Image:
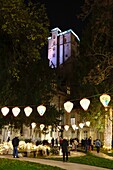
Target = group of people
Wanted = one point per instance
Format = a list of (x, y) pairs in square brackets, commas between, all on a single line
[(88, 144), (63, 145)]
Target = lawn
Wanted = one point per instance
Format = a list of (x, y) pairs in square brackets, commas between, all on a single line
[(6, 164), (90, 159)]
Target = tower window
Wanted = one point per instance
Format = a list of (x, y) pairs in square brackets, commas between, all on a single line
[(54, 37), (53, 55), (64, 40)]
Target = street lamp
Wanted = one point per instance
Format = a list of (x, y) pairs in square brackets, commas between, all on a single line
[(68, 106), (41, 110)]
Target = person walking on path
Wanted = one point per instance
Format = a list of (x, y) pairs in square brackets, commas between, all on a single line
[(15, 143), (65, 149), (98, 145), (89, 143), (86, 144)]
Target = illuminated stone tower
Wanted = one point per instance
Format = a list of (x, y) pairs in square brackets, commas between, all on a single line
[(61, 46)]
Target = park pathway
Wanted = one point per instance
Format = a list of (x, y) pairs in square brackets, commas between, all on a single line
[(61, 164)]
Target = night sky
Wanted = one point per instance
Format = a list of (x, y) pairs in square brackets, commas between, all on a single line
[(63, 14)]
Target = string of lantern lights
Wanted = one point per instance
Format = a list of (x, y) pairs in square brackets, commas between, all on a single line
[(104, 99), (68, 106), (28, 110)]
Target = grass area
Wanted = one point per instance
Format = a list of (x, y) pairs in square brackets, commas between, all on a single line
[(90, 159), (6, 164), (110, 153)]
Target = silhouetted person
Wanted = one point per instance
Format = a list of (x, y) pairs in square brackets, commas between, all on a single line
[(15, 143), (89, 143), (98, 145), (52, 142), (56, 141), (65, 149), (86, 144)]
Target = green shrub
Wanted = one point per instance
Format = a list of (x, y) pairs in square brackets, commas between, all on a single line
[(54, 151)]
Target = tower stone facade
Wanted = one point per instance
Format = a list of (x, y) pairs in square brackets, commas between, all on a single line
[(61, 46)]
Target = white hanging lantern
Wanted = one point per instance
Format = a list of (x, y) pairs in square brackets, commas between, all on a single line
[(33, 124), (41, 110), (88, 123), (68, 106), (85, 103), (58, 128), (16, 111), (42, 126), (28, 111), (105, 99), (74, 127), (81, 125), (66, 127), (5, 110)]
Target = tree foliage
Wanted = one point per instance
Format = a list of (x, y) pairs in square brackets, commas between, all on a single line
[(25, 76), (24, 32), (97, 41), (96, 55)]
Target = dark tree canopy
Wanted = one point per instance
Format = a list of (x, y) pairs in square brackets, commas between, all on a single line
[(96, 42), (95, 62), (23, 34), (25, 76)]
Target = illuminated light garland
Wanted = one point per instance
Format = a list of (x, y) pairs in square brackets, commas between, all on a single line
[(28, 110)]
